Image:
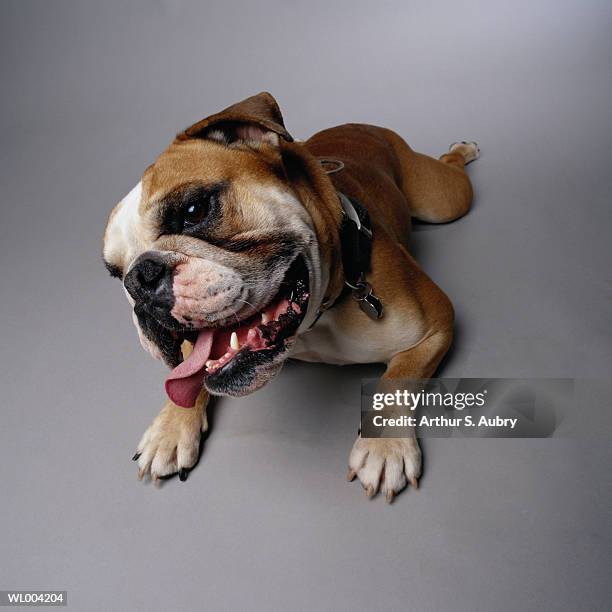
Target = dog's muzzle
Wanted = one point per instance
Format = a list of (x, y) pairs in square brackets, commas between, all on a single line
[(231, 355)]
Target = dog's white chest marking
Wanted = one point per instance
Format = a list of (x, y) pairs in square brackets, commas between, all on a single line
[(344, 335)]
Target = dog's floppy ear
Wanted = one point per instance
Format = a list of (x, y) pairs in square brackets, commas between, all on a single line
[(254, 120)]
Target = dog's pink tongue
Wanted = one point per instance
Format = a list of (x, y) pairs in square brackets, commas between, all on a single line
[(185, 381)]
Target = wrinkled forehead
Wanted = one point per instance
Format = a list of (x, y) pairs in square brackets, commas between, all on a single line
[(254, 179), (203, 161)]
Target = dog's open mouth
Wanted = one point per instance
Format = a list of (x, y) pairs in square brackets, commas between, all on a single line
[(228, 352)]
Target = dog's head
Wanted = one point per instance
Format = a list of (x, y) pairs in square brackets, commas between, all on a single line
[(221, 244)]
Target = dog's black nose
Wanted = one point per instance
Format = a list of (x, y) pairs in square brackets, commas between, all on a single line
[(149, 272), (146, 278)]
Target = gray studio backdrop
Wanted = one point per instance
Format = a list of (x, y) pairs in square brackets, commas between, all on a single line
[(91, 92)]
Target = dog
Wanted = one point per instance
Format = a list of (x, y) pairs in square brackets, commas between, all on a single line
[(241, 247)]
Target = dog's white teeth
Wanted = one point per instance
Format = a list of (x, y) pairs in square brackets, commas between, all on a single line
[(265, 317), (209, 364), (234, 341)]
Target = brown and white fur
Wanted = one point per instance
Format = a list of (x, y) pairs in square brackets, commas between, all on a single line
[(276, 191)]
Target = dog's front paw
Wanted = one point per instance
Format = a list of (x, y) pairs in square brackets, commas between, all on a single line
[(172, 443), (385, 463)]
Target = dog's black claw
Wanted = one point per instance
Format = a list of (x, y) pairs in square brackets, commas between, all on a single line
[(183, 473), (136, 456)]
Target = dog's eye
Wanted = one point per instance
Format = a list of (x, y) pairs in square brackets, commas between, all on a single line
[(196, 210)]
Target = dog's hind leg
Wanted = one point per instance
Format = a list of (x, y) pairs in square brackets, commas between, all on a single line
[(437, 190)]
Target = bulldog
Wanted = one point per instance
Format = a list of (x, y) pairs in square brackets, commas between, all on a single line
[(241, 247)]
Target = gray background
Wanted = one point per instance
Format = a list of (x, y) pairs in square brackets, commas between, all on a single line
[(91, 92)]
